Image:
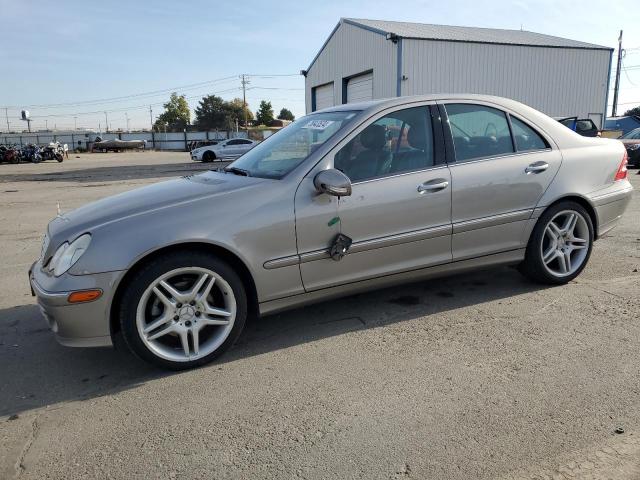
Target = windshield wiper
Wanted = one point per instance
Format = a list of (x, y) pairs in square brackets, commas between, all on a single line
[(237, 171)]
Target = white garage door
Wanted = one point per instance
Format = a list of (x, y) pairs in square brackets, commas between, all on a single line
[(324, 96), (360, 88)]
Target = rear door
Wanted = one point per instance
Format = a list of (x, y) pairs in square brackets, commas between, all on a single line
[(501, 167), (399, 212)]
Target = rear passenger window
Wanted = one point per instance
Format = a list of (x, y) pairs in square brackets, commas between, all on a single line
[(401, 141), (478, 131), (526, 138)]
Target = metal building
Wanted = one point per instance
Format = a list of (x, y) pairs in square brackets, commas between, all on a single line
[(369, 59)]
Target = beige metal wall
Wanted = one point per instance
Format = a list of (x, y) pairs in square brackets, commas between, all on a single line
[(556, 81), (352, 50)]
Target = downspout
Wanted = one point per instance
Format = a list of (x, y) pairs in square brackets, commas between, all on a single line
[(399, 67)]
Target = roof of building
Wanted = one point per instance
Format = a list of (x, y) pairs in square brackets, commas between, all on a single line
[(469, 34)]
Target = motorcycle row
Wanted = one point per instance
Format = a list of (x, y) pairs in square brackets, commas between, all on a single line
[(32, 153)]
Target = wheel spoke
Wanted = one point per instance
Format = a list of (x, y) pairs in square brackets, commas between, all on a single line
[(197, 286), (215, 321), (218, 312), (160, 333), (168, 302), (207, 289), (195, 335), (554, 229), (565, 262), (157, 323), (570, 223), (184, 340), (549, 255), (177, 295)]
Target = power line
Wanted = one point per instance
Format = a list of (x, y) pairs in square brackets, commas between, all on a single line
[(146, 94)]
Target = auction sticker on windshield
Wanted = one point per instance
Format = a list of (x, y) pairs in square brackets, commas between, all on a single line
[(318, 124)]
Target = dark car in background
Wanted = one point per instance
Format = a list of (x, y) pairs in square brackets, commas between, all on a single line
[(582, 126), (631, 142)]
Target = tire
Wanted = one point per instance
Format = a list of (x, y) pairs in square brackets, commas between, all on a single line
[(183, 271), (208, 156), (59, 158), (553, 244)]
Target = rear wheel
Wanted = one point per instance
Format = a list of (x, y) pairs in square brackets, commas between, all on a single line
[(560, 245), (208, 156), (183, 310)]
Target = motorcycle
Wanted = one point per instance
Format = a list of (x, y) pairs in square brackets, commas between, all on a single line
[(32, 153), (53, 151), (9, 154)]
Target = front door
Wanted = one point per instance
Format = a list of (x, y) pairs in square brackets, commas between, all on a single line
[(399, 212), (502, 168)]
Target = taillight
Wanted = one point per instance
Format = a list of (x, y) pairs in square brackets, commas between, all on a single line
[(621, 174)]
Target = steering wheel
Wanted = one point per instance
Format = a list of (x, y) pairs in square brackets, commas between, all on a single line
[(491, 126)]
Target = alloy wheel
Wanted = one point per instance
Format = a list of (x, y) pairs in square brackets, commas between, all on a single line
[(565, 243), (186, 314)]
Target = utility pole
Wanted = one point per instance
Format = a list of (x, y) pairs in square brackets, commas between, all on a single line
[(46, 125), (151, 117), (106, 121), (6, 115), (126, 115), (244, 82), (75, 123), (614, 109)]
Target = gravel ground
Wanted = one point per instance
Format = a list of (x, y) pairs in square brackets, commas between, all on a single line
[(471, 377)]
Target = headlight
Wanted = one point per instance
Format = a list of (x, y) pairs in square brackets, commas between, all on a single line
[(633, 146), (68, 254)]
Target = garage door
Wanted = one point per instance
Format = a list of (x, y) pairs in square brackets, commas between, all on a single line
[(324, 96), (360, 88)]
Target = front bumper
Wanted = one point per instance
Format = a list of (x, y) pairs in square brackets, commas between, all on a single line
[(196, 157), (78, 324)]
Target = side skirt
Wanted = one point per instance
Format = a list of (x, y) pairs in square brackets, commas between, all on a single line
[(503, 258)]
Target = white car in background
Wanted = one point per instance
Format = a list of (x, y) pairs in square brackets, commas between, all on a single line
[(226, 149)]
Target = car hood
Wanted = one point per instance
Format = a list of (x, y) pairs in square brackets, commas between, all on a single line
[(151, 198)]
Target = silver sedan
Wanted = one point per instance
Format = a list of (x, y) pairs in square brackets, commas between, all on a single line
[(346, 199)]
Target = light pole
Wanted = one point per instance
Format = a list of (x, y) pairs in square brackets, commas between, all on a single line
[(75, 123), (106, 121)]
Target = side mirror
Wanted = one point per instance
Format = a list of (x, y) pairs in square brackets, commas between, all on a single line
[(333, 182)]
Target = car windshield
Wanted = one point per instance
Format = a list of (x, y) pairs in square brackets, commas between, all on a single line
[(285, 150)]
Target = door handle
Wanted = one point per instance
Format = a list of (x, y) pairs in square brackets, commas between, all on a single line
[(432, 186), (536, 167)]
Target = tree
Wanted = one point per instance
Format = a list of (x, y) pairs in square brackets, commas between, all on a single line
[(634, 111), (264, 116), (214, 112), (211, 113), (176, 115), (285, 114), (236, 109)]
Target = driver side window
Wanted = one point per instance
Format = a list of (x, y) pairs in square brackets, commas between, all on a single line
[(401, 141), (478, 131)]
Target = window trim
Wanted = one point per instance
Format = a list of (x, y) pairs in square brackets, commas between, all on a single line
[(450, 146), (437, 138)]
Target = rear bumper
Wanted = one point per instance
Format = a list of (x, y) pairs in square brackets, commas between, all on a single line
[(80, 324), (611, 205)]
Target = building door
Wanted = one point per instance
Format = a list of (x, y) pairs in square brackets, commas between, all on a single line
[(323, 96), (360, 88)]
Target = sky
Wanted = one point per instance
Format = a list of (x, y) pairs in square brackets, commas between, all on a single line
[(66, 58)]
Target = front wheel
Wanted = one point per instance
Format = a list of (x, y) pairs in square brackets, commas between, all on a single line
[(560, 245), (208, 156), (183, 310)]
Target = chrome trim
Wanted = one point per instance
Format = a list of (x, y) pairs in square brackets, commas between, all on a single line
[(440, 166), (494, 157), (362, 246), (282, 262), (492, 221)]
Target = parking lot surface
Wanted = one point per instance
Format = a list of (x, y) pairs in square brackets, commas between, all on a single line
[(470, 377)]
